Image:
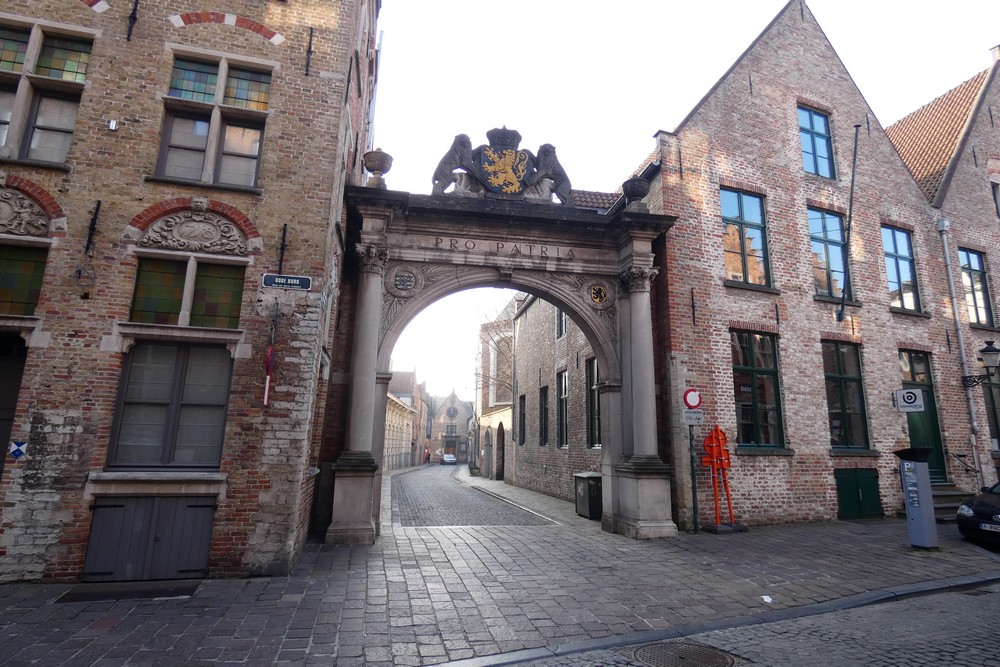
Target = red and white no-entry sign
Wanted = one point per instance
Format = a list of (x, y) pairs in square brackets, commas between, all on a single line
[(692, 399)]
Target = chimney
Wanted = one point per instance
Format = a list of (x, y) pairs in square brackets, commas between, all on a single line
[(996, 53)]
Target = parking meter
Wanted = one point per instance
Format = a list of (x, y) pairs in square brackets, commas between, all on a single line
[(914, 475)]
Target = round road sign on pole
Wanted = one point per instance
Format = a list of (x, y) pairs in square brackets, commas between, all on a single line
[(692, 399)]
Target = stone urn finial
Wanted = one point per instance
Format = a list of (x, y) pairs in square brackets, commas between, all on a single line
[(635, 189), (378, 163)]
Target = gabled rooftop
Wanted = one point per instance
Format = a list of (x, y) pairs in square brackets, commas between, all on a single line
[(930, 138)]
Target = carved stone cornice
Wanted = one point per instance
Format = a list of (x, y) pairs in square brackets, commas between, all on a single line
[(637, 278), (197, 230), (373, 259), (20, 215)]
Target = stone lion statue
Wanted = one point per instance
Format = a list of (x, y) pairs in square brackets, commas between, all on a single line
[(459, 156), (547, 167)]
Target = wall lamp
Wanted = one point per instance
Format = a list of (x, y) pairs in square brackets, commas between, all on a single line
[(991, 360)]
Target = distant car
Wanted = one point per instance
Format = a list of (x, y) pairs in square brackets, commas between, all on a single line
[(979, 516), (449, 460)]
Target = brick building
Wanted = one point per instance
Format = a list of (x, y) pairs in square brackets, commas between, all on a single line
[(796, 309), (153, 170), (797, 329), (557, 423), (400, 449), (494, 392), (450, 423)]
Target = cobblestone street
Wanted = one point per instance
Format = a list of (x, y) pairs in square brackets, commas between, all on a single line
[(531, 580)]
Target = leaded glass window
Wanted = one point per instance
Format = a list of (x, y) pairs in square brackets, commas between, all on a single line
[(21, 271)]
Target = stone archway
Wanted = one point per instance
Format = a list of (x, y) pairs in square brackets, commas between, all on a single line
[(596, 266)]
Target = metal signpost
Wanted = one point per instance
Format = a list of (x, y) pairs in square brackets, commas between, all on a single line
[(693, 417)]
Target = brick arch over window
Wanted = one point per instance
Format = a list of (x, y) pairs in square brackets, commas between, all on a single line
[(138, 225), (99, 6), (191, 18), (50, 207)]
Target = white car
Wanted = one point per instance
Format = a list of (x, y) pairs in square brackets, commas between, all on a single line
[(449, 460)]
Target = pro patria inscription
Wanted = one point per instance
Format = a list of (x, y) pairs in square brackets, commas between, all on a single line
[(504, 248)]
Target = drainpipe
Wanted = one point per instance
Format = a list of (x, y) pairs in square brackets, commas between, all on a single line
[(942, 226)]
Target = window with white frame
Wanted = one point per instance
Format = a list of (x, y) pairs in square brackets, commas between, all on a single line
[(213, 126), (42, 77)]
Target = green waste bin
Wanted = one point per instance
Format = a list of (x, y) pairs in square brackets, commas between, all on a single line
[(588, 494)]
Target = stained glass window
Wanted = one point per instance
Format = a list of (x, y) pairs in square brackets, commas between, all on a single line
[(250, 90), (13, 47), (63, 58), (218, 291), (159, 291), (193, 80), (21, 272)]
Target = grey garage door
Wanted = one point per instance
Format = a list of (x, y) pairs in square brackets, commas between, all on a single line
[(136, 538)]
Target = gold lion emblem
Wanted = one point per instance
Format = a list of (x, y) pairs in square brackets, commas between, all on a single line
[(599, 293)]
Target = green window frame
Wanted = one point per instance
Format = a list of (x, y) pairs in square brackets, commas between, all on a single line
[(543, 416), (816, 142), (522, 416), (171, 407), (161, 287), (744, 237), (22, 269), (593, 375), (900, 268), (756, 389), (827, 239), (845, 397), (976, 286), (562, 409)]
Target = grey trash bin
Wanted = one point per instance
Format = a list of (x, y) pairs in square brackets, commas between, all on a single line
[(588, 494)]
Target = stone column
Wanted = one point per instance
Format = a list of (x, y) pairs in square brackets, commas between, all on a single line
[(353, 495), (644, 507), (643, 414)]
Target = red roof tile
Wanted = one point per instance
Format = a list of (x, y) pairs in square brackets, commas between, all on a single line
[(928, 138)]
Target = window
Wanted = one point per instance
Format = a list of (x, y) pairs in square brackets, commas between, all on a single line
[(208, 141), (755, 387), (826, 234), (522, 415), (593, 404), (164, 294), (451, 429), (817, 149), (845, 400), (21, 272), (172, 408), (977, 291), (744, 237), (543, 416), (900, 269), (996, 197), (560, 323), (562, 409), (42, 77)]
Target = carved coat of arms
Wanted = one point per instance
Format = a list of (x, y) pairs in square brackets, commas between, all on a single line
[(502, 167)]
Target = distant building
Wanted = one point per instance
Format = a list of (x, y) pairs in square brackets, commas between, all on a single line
[(400, 448), (494, 392), (450, 427), (556, 412)]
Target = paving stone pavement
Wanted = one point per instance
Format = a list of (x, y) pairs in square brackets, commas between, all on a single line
[(432, 594)]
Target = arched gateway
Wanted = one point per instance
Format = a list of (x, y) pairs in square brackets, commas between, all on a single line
[(595, 265)]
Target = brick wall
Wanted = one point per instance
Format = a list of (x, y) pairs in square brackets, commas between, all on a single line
[(67, 401), (538, 356)]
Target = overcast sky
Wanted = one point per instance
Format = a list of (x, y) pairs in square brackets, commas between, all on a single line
[(598, 79)]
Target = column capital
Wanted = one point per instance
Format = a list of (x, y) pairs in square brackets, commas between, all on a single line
[(637, 278), (373, 258)]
